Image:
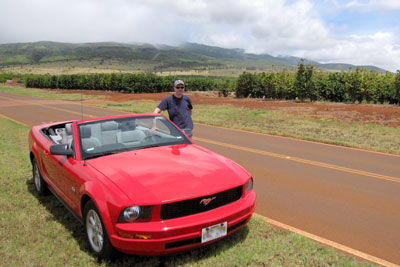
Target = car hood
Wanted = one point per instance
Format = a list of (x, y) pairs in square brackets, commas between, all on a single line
[(170, 173)]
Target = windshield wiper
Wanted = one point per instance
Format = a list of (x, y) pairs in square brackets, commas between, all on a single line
[(106, 153), (164, 144), (150, 145)]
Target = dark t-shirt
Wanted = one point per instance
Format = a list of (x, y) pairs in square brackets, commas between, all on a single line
[(178, 110)]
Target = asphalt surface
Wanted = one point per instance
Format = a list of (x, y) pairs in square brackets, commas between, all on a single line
[(348, 196)]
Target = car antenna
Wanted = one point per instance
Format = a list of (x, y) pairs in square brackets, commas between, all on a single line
[(81, 105), (84, 161)]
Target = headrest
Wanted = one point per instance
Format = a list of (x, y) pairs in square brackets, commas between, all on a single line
[(109, 126), (128, 125), (68, 128), (86, 131)]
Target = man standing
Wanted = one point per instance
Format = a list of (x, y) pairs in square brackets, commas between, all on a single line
[(179, 107)]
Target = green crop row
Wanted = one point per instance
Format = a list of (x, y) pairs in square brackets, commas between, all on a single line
[(359, 86), (129, 83)]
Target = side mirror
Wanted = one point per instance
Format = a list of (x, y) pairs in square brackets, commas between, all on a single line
[(188, 132), (61, 149)]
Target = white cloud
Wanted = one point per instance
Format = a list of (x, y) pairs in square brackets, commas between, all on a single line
[(276, 27), (374, 5), (378, 50), (258, 26)]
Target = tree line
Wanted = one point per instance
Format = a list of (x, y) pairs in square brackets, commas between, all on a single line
[(309, 84), (126, 82)]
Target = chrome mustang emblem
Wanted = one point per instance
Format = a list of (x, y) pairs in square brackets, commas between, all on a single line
[(206, 201)]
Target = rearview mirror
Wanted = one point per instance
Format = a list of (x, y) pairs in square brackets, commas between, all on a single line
[(61, 149)]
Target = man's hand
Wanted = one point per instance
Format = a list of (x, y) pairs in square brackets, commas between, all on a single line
[(153, 129)]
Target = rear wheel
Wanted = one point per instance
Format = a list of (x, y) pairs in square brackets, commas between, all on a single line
[(96, 233), (39, 183)]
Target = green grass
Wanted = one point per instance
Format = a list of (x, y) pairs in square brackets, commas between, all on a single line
[(20, 59), (67, 65), (48, 94), (39, 231), (366, 136)]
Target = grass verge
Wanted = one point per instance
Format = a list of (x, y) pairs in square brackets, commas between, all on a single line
[(365, 136), (39, 231), (48, 94)]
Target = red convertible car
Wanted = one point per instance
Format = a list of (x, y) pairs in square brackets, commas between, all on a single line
[(139, 184)]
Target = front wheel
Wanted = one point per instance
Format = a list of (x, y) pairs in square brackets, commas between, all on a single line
[(39, 183), (96, 233)]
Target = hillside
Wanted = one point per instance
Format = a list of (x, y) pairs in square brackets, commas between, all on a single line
[(143, 57)]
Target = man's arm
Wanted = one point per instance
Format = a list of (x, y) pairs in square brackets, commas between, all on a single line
[(162, 106), (157, 110), (190, 106)]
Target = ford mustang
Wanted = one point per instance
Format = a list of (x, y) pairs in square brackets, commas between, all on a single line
[(139, 184)]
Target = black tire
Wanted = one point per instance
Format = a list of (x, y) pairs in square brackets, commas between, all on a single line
[(96, 233), (38, 182)]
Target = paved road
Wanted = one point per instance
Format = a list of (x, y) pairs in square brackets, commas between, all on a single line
[(348, 196)]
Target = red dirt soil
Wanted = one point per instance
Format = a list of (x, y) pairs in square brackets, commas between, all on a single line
[(386, 115)]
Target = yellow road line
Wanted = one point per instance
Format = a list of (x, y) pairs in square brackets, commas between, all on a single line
[(265, 153), (46, 106), (296, 139), (327, 242), (310, 162), (11, 119), (270, 221)]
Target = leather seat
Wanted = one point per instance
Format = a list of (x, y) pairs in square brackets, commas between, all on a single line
[(89, 143)]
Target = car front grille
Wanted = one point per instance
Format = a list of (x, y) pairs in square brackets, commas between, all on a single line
[(198, 205)]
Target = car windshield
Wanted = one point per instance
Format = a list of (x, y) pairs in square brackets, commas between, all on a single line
[(105, 137)]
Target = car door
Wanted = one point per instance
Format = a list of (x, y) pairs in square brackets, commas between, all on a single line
[(62, 172)]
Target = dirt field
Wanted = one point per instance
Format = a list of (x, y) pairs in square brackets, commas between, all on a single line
[(387, 115)]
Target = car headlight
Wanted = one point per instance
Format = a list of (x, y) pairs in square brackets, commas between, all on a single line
[(135, 213), (248, 186)]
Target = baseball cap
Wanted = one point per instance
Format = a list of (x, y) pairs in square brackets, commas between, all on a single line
[(178, 82)]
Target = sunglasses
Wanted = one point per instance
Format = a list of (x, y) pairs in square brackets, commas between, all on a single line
[(180, 87)]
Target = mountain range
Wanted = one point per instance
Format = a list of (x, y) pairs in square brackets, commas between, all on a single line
[(160, 57)]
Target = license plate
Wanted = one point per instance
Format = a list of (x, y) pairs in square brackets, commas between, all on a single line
[(213, 232)]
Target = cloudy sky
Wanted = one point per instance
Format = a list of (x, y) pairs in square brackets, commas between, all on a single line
[(360, 32)]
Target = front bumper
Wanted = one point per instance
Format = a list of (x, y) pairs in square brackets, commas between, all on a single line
[(183, 233)]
